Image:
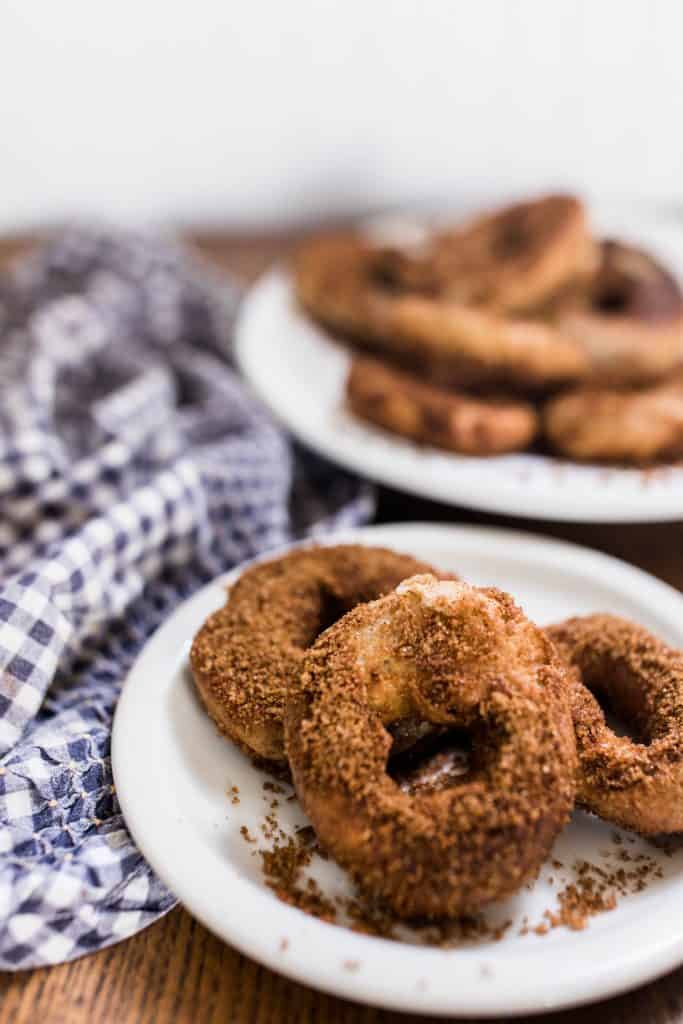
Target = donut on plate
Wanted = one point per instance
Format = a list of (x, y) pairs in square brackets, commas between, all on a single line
[(628, 318), (636, 783), (339, 281), (248, 654), (453, 655), (405, 405), (512, 259), (607, 425)]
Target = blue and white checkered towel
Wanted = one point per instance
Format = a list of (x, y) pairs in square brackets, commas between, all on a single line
[(133, 468)]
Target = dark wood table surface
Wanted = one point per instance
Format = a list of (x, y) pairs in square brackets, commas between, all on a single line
[(176, 971)]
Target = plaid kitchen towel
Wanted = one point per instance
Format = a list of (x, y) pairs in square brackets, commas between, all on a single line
[(133, 467)]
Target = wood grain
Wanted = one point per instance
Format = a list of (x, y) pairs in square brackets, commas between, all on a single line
[(176, 971)]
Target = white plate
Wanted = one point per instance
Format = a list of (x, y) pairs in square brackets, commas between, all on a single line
[(300, 372), (173, 771)]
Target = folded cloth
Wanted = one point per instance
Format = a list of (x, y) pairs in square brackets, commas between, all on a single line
[(134, 466)]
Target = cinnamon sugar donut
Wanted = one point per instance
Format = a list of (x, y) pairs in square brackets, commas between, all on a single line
[(456, 655), (514, 258), (339, 282), (248, 653), (405, 405), (629, 318), (634, 783), (636, 427)]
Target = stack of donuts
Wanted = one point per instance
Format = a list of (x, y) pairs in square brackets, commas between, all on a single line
[(330, 660), (515, 330)]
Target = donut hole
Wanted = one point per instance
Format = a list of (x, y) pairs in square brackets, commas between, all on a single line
[(621, 716), (407, 732), (630, 283), (612, 300), (620, 696), (617, 722), (332, 609), (438, 759)]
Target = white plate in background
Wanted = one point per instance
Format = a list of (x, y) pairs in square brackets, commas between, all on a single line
[(173, 772), (299, 372)]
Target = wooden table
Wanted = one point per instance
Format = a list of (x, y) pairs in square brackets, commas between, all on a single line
[(176, 971)]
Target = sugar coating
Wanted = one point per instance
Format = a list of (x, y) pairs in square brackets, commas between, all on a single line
[(636, 784), (248, 654), (438, 660)]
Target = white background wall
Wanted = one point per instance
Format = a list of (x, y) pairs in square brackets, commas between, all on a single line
[(271, 110)]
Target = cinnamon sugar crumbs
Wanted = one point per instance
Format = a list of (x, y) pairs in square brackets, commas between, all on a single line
[(500, 931), (270, 827), (284, 864), (234, 795), (269, 786), (577, 903), (282, 867), (596, 889)]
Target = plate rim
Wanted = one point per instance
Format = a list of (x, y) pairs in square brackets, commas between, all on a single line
[(629, 972), (506, 498)]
